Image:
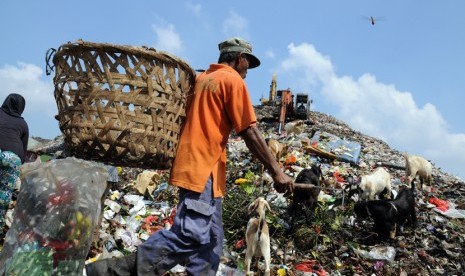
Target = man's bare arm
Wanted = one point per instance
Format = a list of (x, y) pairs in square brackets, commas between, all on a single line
[(257, 146)]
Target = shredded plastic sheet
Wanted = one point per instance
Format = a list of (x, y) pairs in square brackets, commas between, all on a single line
[(450, 211), (442, 205), (345, 150), (384, 253)]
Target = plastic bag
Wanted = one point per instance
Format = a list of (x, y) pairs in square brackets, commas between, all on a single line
[(384, 253), (58, 207)]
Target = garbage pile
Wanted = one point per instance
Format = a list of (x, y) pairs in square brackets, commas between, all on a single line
[(336, 242)]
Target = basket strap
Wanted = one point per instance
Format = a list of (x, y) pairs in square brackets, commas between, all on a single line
[(48, 55)]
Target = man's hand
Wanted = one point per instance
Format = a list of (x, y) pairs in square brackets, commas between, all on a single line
[(283, 183)]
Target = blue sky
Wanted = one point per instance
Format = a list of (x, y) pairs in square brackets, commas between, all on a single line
[(401, 80)]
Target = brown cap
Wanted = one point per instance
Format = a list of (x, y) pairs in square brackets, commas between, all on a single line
[(237, 44)]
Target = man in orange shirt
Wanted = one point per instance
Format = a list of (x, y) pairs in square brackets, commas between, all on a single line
[(221, 103)]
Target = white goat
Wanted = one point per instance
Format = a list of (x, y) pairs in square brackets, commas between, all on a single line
[(417, 165), (257, 235), (373, 184)]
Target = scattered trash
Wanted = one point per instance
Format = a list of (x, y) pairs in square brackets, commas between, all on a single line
[(147, 182), (451, 211), (311, 266), (134, 210), (383, 253), (441, 205), (344, 150)]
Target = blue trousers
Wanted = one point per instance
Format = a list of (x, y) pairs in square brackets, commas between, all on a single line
[(195, 239)]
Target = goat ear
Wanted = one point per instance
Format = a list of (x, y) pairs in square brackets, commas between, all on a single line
[(252, 207), (267, 205)]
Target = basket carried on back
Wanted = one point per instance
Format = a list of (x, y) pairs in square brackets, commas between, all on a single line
[(121, 105)]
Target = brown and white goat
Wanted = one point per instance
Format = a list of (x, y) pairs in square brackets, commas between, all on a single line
[(417, 165), (257, 235), (276, 148), (375, 183)]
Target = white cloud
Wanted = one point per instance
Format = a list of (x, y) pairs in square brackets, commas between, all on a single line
[(235, 25), (26, 79), (316, 67), (377, 109), (167, 38)]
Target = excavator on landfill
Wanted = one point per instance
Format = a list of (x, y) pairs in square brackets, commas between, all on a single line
[(289, 109), (287, 106)]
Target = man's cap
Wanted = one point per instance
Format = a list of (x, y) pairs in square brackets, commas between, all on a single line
[(237, 44)]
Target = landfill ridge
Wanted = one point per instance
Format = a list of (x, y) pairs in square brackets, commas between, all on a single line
[(335, 243)]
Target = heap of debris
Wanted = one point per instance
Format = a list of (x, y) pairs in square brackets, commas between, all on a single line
[(336, 242), (343, 245)]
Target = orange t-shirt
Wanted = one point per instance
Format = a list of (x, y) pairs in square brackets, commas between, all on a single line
[(220, 103)]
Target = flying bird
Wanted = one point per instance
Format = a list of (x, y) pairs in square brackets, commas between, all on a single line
[(373, 19)]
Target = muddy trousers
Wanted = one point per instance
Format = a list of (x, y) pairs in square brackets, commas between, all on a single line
[(9, 172), (195, 241)]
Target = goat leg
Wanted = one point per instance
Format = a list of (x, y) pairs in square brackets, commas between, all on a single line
[(248, 260), (393, 231), (265, 246), (306, 212)]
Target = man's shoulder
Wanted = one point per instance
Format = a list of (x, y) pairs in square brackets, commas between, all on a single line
[(222, 69)]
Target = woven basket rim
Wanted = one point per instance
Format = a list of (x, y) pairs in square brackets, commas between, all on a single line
[(150, 51)]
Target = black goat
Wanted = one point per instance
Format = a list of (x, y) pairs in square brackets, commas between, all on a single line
[(389, 215), (306, 197)]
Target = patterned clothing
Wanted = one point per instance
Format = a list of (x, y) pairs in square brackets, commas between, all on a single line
[(9, 172)]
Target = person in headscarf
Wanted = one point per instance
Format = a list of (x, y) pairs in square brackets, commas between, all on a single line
[(14, 136)]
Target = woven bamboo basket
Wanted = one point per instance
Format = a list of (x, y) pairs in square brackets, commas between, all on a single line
[(121, 105)]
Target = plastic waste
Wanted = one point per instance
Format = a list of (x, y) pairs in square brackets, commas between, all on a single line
[(437, 232), (147, 182), (383, 253), (58, 207), (132, 199), (163, 186), (311, 266), (345, 150), (442, 205), (113, 209), (451, 211), (281, 272), (229, 271), (129, 236)]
